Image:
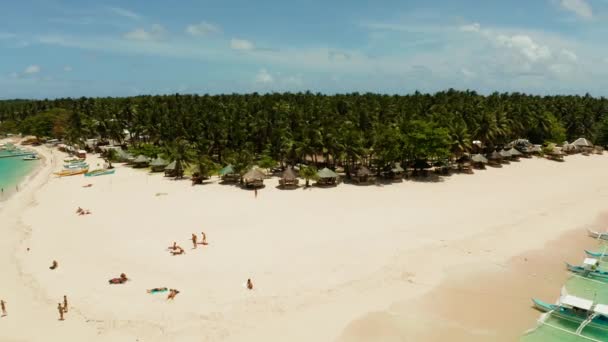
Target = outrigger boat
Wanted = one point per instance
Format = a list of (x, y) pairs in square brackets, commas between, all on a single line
[(99, 172), (75, 166), (596, 255), (31, 157), (590, 269), (597, 235), (577, 310), (65, 173), (74, 160)]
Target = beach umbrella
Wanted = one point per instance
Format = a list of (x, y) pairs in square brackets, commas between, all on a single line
[(326, 173), (582, 142), (479, 158)]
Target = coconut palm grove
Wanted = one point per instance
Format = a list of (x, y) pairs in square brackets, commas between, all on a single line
[(334, 130)]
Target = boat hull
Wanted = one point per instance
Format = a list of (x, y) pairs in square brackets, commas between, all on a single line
[(96, 173), (66, 173)]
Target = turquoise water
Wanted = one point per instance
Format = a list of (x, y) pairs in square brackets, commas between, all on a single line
[(12, 172)]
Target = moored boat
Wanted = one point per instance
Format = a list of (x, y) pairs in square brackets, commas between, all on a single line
[(65, 173), (31, 157), (597, 235), (75, 166), (580, 311), (100, 172), (589, 269)]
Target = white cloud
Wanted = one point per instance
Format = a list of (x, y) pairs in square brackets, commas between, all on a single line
[(579, 7), (241, 44), (203, 29), (67, 68), (32, 69), (125, 13), (156, 33), (264, 77), (526, 46), (571, 56), (4, 35), (474, 27)]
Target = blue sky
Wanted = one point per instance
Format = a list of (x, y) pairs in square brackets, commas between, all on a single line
[(61, 48)]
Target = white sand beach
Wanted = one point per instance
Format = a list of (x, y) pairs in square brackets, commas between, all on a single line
[(348, 263)]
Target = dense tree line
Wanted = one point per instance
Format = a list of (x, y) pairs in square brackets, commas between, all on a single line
[(344, 129)]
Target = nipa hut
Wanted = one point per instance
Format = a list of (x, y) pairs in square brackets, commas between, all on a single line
[(494, 158), (172, 171), (289, 178), (363, 175), (254, 178), (327, 177), (479, 161), (158, 164), (515, 154), (395, 172), (141, 161), (505, 154), (228, 174)]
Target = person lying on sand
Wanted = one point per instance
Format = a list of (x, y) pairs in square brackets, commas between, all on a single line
[(123, 279), (84, 212), (178, 251), (194, 238), (54, 265), (172, 294), (61, 312), (79, 210), (157, 290), (249, 284), (87, 185), (174, 247), (3, 307)]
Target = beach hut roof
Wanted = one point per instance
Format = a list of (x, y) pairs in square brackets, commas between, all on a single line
[(363, 171), (505, 154), (397, 168), (171, 166), (577, 302), (254, 174), (495, 155), (327, 173), (289, 174), (159, 162), (479, 158), (515, 152), (519, 142), (582, 142), (141, 159), (228, 169), (536, 148)]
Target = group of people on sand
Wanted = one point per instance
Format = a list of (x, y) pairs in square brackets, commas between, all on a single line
[(195, 242), (81, 211), (175, 249)]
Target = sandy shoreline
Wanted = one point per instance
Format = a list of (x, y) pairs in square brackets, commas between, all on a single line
[(322, 259)]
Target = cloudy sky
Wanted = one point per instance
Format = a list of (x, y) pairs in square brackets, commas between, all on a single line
[(60, 48)]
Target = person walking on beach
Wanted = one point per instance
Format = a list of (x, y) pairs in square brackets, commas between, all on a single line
[(256, 192), (204, 242), (61, 312), (194, 239), (249, 284), (65, 304), (3, 307)]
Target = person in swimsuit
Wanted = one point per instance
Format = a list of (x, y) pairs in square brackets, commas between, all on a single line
[(60, 309), (65, 304), (3, 307), (194, 238), (172, 294), (249, 284), (54, 265)]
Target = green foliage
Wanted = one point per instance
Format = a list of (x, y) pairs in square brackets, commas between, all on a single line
[(424, 140), (148, 150), (602, 132), (308, 173), (266, 162), (50, 123), (182, 153), (9, 126)]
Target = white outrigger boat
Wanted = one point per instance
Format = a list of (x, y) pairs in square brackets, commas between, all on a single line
[(597, 235), (583, 312)]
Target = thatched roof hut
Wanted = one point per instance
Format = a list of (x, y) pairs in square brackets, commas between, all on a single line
[(363, 175), (582, 142), (495, 156), (226, 170), (141, 161), (158, 164), (327, 177), (397, 169), (254, 178), (479, 159), (289, 178), (514, 152), (505, 154)]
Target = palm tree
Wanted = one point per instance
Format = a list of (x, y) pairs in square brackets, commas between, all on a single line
[(308, 173), (180, 151)]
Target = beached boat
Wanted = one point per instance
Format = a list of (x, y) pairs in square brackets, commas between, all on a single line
[(597, 235), (31, 157), (577, 310), (65, 173), (99, 172), (589, 269), (73, 160), (597, 255), (75, 166)]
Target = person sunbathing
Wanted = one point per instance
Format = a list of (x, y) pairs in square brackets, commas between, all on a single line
[(178, 251), (87, 186), (54, 265), (79, 210), (157, 289), (123, 279), (84, 212), (172, 294)]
